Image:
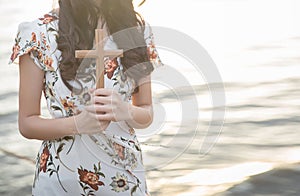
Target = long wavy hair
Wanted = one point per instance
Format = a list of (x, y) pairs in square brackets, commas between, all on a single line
[(77, 22)]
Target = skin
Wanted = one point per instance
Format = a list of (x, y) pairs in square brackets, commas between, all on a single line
[(106, 106)]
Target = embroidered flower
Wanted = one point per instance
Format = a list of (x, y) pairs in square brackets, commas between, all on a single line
[(119, 183), (152, 51), (90, 178), (131, 131), (33, 37), (15, 52), (44, 158), (132, 160), (120, 150), (126, 84), (44, 40), (84, 97), (48, 62), (110, 67), (48, 18), (68, 105)]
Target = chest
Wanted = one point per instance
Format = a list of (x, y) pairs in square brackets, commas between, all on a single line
[(62, 101)]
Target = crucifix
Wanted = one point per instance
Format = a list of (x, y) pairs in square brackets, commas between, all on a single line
[(99, 53)]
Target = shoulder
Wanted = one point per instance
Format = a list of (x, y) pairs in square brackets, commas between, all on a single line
[(38, 28), (39, 24), (34, 38)]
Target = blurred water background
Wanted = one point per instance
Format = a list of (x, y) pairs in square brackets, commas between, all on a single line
[(255, 45)]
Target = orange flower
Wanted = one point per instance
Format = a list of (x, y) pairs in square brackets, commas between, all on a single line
[(110, 67), (151, 51), (44, 158), (48, 61), (15, 50), (40, 54), (34, 48), (43, 37), (131, 131), (90, 178), (119, 150), (67, 104), (48, 18), (33, 37)]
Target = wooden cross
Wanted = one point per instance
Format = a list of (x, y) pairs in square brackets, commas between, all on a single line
[(99, 53)]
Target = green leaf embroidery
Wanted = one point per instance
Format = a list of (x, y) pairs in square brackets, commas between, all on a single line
[(133, 190), (60, 148)]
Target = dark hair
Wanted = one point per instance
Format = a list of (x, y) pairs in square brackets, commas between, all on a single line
[(77, 22)]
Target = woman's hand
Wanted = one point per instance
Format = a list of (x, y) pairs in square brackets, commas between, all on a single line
[(87, 123), (108, 105)]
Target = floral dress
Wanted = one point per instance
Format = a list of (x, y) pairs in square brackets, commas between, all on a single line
[(109, 163)]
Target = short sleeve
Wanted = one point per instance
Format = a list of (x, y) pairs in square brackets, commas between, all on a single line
[(151, 47), (31, 39)]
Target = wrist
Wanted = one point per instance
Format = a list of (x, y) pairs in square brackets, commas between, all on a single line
[(129, 116), (71, 125)]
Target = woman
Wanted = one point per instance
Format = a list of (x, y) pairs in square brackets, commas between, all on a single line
[(89, 145)]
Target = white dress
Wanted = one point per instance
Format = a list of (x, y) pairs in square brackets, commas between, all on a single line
[(101, 164)]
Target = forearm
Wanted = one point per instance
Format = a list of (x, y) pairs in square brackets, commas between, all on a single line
[(40, 128), (140, 117)]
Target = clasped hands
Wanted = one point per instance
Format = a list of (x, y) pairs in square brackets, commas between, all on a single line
[(106, 105)]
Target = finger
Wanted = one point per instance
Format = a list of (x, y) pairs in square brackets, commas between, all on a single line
[(107, 117), (99, 99), (97, 108), (102, 92)]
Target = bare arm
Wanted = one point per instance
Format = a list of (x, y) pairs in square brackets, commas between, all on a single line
[(141, 108), (31, 124)]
